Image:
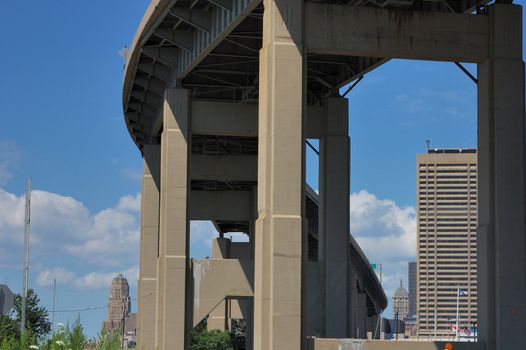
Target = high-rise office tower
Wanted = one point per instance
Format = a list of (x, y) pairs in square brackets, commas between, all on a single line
[(447, 241), (411, 276)]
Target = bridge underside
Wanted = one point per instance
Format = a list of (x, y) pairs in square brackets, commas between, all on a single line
[(220, 96)]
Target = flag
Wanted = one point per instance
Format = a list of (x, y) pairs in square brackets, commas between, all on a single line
[(467, 331), (462, 293), (454, 328)]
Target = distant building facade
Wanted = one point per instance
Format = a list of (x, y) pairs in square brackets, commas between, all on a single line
[(7, 299), (120, 319), (411, 277), (446, 240), (401, 302)]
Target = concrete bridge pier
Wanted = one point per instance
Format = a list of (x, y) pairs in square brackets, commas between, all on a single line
[(335, 293), (334, 220), (281, 179), (147, 284), (502, 160), (173, 261)]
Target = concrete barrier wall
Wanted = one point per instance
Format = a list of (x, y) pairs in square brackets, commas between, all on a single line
[(360, 344)]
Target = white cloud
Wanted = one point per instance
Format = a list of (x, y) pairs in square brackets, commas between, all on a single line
[(454, 103), (237, 237), (60, 274), (386, 233), (95, 280), (130, 203), (201, 235), (403, 98), (9, 159), (130, 174), (91, 280), (61, 226)]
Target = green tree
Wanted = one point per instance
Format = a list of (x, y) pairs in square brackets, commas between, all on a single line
[(9, 328), (36, 318), (77, 338), (67, 338), (108, 340), (11, 342), (203, 339)]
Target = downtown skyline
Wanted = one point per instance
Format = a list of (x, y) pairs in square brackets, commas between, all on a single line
[(85, 214)]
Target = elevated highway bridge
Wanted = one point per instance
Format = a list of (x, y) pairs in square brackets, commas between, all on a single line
[(220, 96)]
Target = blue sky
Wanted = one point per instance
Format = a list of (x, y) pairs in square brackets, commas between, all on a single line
[(62, 125)]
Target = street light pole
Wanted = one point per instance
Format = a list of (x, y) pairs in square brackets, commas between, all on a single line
[(382, 312), (123, 323), (396, 324)]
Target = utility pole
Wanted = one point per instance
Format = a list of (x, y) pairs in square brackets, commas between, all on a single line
[(26, 256), (54, 299)]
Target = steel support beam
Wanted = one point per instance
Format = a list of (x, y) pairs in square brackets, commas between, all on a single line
[(199, 19)]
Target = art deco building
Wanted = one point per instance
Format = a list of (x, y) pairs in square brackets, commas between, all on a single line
[(401, 302), (119, 307), (447, 241)]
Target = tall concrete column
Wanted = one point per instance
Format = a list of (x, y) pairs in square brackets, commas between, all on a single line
[(147, 288), (501, 140), (353, 304), (174, 223), (334, 218), (281, 179), (249, 334)]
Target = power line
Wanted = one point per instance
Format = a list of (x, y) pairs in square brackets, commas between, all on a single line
[(97, 307), (84, 309)]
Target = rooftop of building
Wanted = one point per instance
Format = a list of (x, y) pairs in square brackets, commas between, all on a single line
[(451, 150), (401, 292)]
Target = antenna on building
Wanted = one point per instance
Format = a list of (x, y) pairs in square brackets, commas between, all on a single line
[(26, 256), (428, 144)]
